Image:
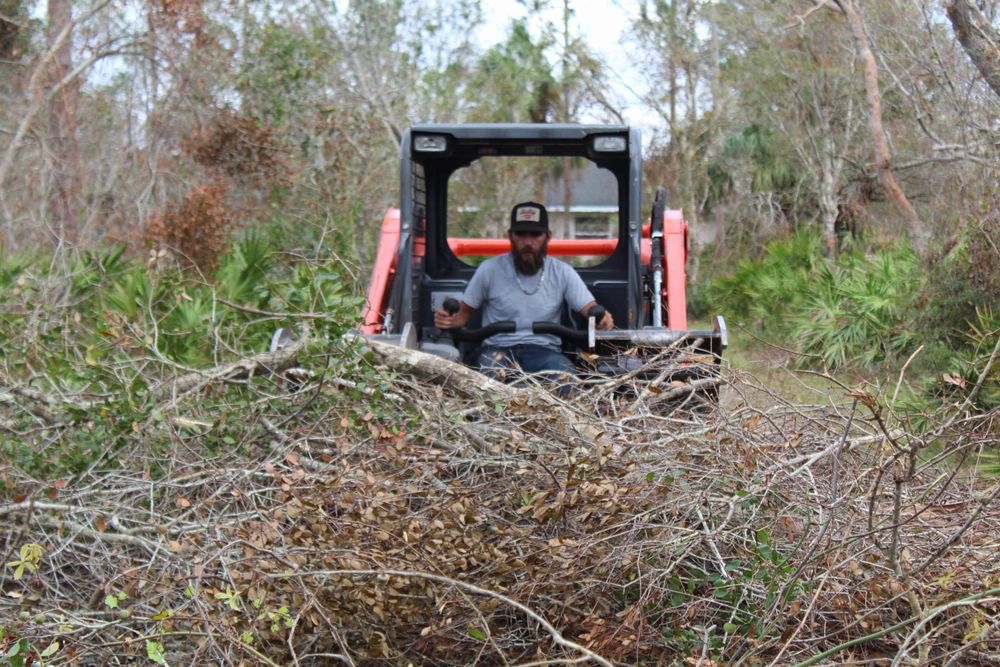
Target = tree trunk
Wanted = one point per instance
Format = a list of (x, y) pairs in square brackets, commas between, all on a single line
[(66, 184), (829, 173), (979, 39), (880, 146)]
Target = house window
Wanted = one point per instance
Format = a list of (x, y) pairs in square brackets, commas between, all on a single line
[(592, 227)]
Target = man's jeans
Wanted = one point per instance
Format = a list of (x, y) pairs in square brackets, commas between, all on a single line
[(503, 363)]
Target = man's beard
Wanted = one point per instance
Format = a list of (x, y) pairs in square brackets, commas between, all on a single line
[(529, 263)]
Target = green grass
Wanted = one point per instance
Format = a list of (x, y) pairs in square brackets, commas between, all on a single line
[(775, 367)]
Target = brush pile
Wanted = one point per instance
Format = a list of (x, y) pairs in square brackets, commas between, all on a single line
[(375, 507)]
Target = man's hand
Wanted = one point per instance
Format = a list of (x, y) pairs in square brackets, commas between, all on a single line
[(444, 320), (606, 323)]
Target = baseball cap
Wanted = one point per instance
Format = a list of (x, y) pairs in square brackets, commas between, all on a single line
[(529, 216)]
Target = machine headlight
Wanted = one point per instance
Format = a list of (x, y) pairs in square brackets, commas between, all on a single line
[(610, 144), (430, 143)]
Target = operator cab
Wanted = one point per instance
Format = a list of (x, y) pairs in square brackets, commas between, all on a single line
[(459, 183)]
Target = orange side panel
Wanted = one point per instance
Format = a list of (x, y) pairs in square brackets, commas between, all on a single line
[(382, 274), (674, 262)]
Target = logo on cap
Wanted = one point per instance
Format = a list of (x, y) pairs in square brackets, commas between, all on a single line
[(528, 214)]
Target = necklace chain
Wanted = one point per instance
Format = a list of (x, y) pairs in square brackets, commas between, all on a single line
[(541, 281)]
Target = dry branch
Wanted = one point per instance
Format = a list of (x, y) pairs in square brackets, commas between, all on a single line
[(267, 363), (576, 425)]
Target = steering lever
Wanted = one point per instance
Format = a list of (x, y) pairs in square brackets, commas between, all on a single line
[(451, 305)]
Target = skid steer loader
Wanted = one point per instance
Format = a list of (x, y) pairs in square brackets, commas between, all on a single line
[(426, 254)]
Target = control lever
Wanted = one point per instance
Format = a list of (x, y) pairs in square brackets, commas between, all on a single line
[(451, 305), (595, 315), (581, 338)]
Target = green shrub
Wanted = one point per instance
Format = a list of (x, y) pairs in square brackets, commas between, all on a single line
[(242, 272), (867, 310), (965, 279), (971, 363), (857, 310), (132, 293), (949, 375), (103, 329), (768, 290)]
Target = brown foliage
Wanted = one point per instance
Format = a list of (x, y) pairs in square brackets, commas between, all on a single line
[(237, 150), (196, 229), (350, 537), (239, 146), (182, 16), (515, 529)]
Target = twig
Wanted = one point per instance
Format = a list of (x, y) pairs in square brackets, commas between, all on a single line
[(805, 617), (707, 536), (272, 314), (957, 535), (902, 372)]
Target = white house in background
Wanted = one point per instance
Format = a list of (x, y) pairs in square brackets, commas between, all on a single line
[(593, 204)]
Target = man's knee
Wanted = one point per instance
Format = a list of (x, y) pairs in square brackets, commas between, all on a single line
[(548, 361)]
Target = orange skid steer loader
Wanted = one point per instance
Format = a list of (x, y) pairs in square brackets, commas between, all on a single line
[(459, 182)]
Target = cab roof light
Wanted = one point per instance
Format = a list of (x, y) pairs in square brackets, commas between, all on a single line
[(430, 143), (610, 144)]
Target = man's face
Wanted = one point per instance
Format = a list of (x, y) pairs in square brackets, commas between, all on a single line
[(528, 249)]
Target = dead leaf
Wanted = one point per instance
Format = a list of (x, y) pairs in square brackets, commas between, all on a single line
[(957, 380)]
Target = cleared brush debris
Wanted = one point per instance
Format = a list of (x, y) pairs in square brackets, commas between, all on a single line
[(391, 510)]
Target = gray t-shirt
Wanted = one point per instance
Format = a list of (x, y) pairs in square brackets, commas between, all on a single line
[(495, 289)]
